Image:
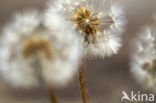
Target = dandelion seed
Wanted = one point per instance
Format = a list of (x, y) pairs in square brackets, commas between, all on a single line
[(92, 19)]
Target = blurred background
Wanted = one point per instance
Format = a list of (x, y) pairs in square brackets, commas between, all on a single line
[(106, 78)]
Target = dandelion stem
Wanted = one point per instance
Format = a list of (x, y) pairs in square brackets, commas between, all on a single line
[(52, 96), (83, 87)]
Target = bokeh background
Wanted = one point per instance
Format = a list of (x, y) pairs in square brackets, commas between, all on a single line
[(106, 78)]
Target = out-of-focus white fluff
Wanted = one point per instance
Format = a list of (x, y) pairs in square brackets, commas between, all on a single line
[(145, 52), (106, 12), (18, 70)]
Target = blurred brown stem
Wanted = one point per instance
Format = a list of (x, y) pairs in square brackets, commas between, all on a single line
[(52, 96), (83, 86)]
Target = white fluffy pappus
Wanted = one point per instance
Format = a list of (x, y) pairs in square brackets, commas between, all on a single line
[(107, 45), (91, 19), (31, 54), (143, 58)]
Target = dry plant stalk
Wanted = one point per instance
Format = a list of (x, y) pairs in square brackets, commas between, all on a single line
[(83, 86), (52, 96)]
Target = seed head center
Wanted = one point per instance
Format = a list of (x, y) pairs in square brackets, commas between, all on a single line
[(150, 67), (86, 21), (35, 46)]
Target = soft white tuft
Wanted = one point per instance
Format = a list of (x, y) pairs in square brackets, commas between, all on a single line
[(144, 57), (21, 71)]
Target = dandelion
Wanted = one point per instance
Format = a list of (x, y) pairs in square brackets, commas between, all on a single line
[(32, 54), (99, 25), (143, 61)]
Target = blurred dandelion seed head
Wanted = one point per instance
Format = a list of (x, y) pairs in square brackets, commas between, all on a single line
[(32, 53), (143, 60), (93, 19)]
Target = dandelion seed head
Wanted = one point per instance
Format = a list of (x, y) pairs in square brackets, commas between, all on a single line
[(143, 59), (90, 19), (35, 53)]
